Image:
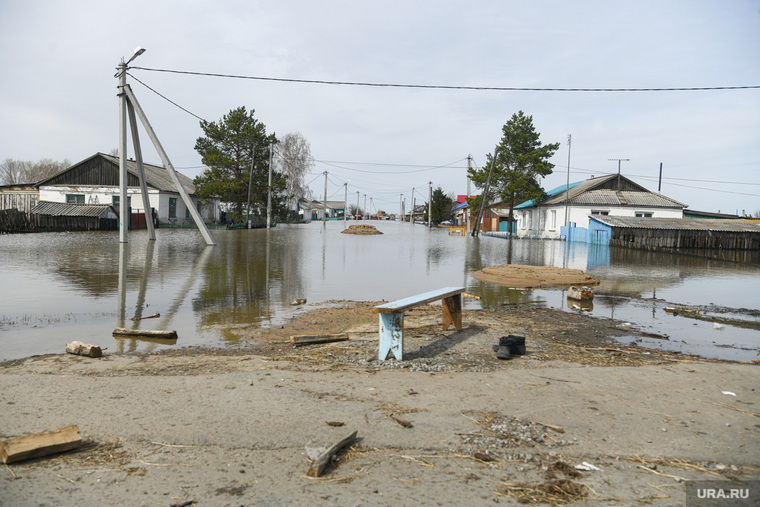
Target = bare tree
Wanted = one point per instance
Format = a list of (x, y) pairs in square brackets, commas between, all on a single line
[(295, 160), (14, 172)]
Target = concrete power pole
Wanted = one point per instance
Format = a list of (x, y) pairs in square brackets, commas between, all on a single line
[(401, 208), (411, 210), (357, 205), (345, 202), (365, 207), (430, 204), (269, 188), (324, 203), (467, 208)]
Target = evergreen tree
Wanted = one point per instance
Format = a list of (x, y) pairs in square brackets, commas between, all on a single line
[(520, 161), (229, 149)]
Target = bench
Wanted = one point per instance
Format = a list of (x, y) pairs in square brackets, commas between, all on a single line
[(392, 317)]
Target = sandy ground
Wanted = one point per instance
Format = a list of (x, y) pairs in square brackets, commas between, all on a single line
[(522, 276), (449, 425)]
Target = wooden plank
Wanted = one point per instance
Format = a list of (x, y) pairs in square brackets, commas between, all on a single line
[(409, 302), (84, 349), (318, 465), (307, 339), (40, 444), (452, 312), (157, 334)]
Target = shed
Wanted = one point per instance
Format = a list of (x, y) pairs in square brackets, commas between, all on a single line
[(675, 233), (56, 216)]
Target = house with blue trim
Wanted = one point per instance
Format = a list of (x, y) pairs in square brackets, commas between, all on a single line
[(569, 207)]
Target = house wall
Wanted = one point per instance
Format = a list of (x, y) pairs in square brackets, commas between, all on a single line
[(548, 221), (157, 200)]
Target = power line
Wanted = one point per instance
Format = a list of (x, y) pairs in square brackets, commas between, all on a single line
[(446, 87)]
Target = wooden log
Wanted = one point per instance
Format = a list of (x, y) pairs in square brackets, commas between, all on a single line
[(154, 316), (84, 349), (307, 339), (156, 334), (40, 444), (318, 465)]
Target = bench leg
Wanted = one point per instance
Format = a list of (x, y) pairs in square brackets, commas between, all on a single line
[(391, 337), (452, 312)]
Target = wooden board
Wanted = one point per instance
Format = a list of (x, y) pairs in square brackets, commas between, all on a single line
[(40, 444), (167, 335), (307, 339), (427, 297), (318, 465)]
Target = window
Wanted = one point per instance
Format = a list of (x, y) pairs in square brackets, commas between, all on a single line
[(173, 207), (644, 214), (554, 219), (187, 214), (74, 198), (599, 212), (116, 199)]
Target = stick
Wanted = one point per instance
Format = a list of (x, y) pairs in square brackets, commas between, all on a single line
[(319, 464), (40, 444), (306, 339), (154, 316)]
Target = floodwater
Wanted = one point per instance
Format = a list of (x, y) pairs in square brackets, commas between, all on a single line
[(60, 287)]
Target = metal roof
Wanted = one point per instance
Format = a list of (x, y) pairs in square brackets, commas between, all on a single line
[(622, 198), (684, 224), (591, 193), (156, 176), (62, 209)]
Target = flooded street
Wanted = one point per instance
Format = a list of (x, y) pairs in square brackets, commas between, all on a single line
[(60, 287)]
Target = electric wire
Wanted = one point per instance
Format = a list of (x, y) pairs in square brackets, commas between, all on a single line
[(445, 87)]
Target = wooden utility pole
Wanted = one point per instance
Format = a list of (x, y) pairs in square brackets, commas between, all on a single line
[(567, 188), (324, 203), (357, 205), (345, 203), (484, 197)]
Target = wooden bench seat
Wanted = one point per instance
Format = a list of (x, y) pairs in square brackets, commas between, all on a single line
[(392, 317)]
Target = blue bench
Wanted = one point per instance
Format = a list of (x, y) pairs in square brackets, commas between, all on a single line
[(392, 317)]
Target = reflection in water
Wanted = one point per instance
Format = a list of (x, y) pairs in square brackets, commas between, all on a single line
[(59, 284)]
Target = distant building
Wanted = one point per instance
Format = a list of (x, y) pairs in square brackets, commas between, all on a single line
[(612, 195), (19, 197), (318, 210)]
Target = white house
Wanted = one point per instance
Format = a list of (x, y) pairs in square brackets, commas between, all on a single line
[(571, 206), (96, 181)]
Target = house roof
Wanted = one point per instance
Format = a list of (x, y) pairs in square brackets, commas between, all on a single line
[(319, 204), (103, 170), (693, 224), (62, 209), (610, 190)]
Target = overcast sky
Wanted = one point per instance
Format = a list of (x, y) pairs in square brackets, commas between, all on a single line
[(58, 91)]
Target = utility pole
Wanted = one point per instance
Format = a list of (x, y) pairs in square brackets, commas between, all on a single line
[(567, 188), (345, 203), (250, 184), (659, 185), (430, 204), (467, 208), (269, 188), (479, 218), (365, 214), (411, 210), (324, 203), (401, 208), (619, 160), (357, 205)]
